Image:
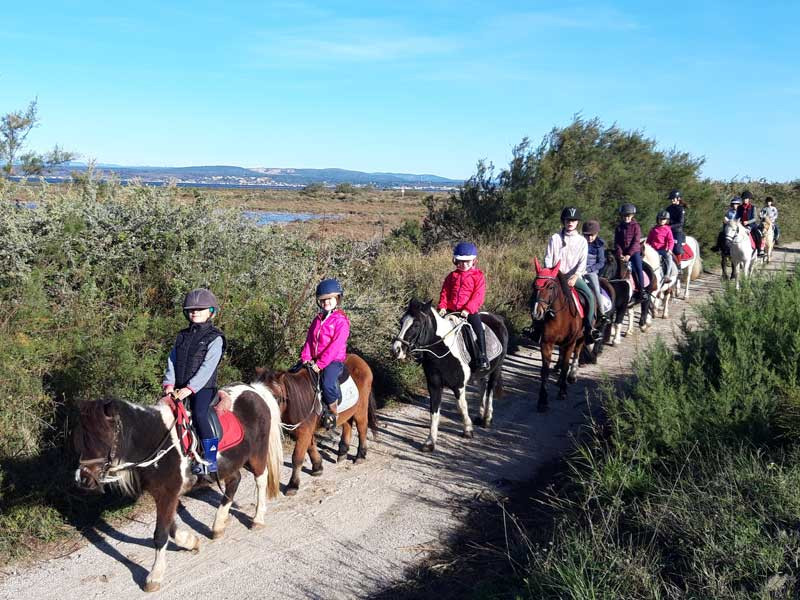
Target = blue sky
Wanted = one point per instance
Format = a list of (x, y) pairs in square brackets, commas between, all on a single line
[(418, 87)]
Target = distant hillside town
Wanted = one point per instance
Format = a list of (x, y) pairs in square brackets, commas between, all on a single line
[(226, 176)]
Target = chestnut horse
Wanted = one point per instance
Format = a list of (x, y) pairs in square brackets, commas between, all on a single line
[(137, 448), (561, 325), (296, 395)]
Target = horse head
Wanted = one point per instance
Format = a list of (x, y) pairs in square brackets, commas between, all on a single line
[(96, 439), (545, 290), (417, 328)]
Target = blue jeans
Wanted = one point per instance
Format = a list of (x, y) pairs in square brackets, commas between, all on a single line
[(637, 270), (329, 382), (200, 403)]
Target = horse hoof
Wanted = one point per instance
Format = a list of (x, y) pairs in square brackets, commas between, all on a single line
[(152, 586), (359, 460), (291, 491), (468, 434), (215, 535), (486, 423), (316, 472), (256, 526), (341, 457), (427, 447)]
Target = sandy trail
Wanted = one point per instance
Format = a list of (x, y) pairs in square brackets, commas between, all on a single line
[(355, 529)]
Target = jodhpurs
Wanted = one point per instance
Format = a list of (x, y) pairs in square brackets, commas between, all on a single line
[(329, 382), (200, 403)]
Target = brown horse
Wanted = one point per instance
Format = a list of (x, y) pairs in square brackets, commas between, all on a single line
[(137, 448), (561, 325), (296, 394)]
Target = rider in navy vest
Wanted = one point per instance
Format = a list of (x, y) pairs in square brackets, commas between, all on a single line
[(192, 369), (595, 260), (677, 220)]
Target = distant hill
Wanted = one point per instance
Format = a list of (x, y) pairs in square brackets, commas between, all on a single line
[(278, 177)]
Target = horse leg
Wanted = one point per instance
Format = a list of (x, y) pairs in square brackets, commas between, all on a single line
[(221, 518), (487, 401), (362, 424), (315, 457), (547, 353), (435, 394), (298, 456), (344, 441), (166, 505), (565, 354), (572, 375), (665, 313), (463, 408)]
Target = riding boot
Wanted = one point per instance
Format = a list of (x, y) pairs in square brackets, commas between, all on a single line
[(209, 455), (330, 414)]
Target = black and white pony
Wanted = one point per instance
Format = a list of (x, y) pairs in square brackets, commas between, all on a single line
[(434, 342)]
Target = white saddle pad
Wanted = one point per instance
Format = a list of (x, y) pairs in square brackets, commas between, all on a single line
[(349, 394), (493, 346)]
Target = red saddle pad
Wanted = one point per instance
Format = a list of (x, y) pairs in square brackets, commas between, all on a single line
[(232, 432)]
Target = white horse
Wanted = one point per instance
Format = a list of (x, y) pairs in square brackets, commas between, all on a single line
[(769, 238), (743, 255), (692, 268), (665, 286)]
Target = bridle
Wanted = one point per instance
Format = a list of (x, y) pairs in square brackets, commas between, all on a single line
[(550, 282), (109, 469), (412, 348)]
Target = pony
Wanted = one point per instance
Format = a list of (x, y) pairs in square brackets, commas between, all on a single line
[(665, 288), (591, 352), (769, 238), (691, 267), (300, 412), (434, 342), (743, 252), (625, 299), (137, 448), (553, 307)]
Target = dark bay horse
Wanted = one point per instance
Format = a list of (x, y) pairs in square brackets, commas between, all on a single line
[(433, 341), (137, 448), (553, 308), (296, 395)]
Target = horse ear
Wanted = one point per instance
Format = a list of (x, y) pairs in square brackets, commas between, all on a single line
[(109, 409)]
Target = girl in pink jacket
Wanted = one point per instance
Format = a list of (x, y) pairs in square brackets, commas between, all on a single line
[(463, 291), (325, 349), (661, 239)]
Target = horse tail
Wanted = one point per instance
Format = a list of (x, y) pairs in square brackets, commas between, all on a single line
[(372, 416), (697, 267), (274, 448)]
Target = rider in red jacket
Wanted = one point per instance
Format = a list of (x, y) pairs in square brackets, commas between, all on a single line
[(463, 291)]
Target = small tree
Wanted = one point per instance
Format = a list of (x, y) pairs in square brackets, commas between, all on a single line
[(14, 129)]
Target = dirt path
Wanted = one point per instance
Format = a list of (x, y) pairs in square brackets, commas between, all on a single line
[(355, 529)]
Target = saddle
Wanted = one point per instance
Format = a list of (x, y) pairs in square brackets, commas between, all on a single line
[(466, 346), (226, 426), (348, 390), (687, 254)]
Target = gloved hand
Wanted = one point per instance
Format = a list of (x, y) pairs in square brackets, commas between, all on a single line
[(464, 314), (442, 312)]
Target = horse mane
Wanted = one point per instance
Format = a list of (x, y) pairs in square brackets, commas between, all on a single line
[(294, 391)]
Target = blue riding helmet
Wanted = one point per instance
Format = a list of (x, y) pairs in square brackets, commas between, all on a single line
[(328, 288), (465, 251), (736, 200)]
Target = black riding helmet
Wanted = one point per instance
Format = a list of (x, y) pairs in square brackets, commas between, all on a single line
[(627, 209), (662, 214), (200, 298), (570, 213), (674, 194)]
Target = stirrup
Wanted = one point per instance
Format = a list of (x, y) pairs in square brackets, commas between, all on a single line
[(328, 418)]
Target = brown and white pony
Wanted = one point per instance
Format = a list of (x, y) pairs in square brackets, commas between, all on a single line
[(137, 448), (296, 395), (769, 238)]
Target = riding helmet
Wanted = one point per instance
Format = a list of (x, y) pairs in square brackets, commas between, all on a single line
[(662, 214), (591, 228), (736, 200), (570, 213), (747, 195), (627, 209), (328, 288), (465, 251), (200, 298), (674, 194)]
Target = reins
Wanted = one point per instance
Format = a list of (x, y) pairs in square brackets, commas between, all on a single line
[(426, 348)]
